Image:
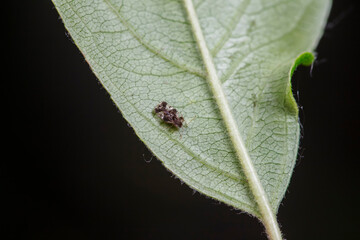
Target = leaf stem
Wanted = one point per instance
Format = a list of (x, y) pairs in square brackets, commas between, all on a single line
[(267, 215)]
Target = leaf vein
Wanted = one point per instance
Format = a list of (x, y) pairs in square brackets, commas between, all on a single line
[(147, 45)]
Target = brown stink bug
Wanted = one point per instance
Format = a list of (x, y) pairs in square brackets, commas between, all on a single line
[(169, 114)]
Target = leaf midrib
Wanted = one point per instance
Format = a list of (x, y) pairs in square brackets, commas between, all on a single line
[(260, 196)]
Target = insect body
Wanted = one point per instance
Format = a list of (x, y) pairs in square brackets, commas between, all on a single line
[(169, 114)]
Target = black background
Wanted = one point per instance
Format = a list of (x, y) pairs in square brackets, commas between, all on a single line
[(73, 169)]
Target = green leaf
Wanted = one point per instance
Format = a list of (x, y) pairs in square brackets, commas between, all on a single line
[(146, 51)]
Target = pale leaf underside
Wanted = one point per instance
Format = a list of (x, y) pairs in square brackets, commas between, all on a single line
[(143, 52)]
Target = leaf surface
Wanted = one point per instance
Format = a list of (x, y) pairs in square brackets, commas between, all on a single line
[(144, 52)]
